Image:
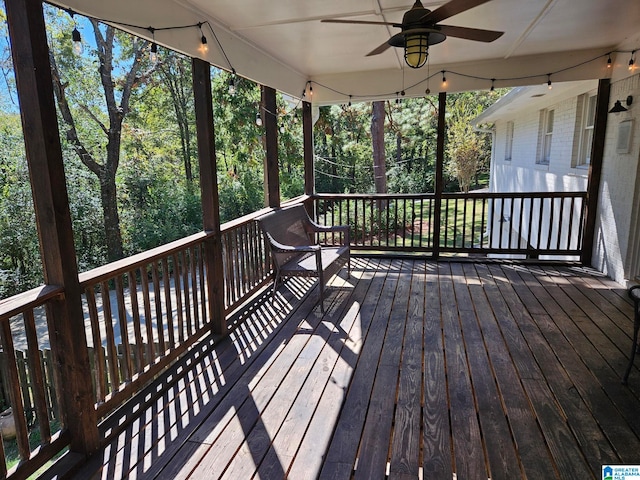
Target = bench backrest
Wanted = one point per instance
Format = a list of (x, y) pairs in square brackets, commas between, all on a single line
[(288, 226)]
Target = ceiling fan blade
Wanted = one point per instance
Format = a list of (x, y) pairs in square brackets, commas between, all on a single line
[(378, 50), (476, 34), (360, 22), (450, 9)]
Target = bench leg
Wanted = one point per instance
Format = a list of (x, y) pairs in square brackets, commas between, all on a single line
[(275, 285), (634, 346)]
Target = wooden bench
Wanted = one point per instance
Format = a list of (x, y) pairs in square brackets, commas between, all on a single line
[(291, 237)]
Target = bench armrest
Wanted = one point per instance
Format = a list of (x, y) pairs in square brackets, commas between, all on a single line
[(317, 228), (281, 248)]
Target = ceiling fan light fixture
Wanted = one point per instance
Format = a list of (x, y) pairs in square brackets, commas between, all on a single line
[(416, 50)]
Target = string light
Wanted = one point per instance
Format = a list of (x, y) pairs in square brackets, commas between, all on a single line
[(204, 48), (493, 84), (258, 119), (232, 83), (349, 100), (549, 81), (78, 46), (77, 41), (153, 53)]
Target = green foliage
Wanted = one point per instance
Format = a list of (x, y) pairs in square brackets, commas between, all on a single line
[(157, 208), (156, 171), (20, 267)]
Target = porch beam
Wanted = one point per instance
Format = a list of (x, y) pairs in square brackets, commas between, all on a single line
[(271, 171), (203, 99), (309, 172), (595, 170), (53, 220), (439, 179)]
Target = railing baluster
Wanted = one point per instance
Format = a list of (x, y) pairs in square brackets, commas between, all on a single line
[(155, 276), (148, 321), (166, 277), (22, 434), (540, 223), (37, 377), (572, 203), (560, 217), (194, 289), (127, 367), (177, 287), (112, 353), (100, 380), (184, 263), (135, 312)]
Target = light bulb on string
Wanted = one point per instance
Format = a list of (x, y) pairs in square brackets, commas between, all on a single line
[(203, 48), (609, 61), (632, 61), (258, 119), (153, 53), (232, 82), (493, 84), (77, 41), (549, 85)]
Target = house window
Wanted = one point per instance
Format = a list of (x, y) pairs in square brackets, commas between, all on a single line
[(546, 136), (586, 138), (508, 148)]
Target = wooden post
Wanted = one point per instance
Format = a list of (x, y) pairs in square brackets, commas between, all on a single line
[(439, 186), (595, 170), (309, 173), (53, 219), (271, 171), (209, 191)]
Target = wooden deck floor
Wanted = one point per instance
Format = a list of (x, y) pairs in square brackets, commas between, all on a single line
[(417, 370)]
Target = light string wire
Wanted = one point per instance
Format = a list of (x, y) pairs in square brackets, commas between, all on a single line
[(350, 96), (491, 81), (152, 30)]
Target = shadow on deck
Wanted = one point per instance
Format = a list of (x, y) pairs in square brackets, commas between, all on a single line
[(418, 369)]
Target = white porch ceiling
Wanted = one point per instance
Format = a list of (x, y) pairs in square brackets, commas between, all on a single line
[(283, 44)]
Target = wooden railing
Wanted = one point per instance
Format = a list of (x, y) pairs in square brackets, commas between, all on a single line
[(141, 313), (246, 264), (144, 311), (37, 437), (529, 224)]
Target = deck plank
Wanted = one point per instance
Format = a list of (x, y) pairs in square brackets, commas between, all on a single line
[(405, 447), (437, 457), (315, 443), (374, 446), (469, 453), (343, 450)]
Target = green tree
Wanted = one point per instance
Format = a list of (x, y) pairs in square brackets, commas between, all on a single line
[(93, 128)]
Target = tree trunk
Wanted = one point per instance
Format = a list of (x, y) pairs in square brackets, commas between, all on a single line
[(108, 197), (377, 138)]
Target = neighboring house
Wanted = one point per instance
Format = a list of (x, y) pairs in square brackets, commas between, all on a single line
[(542, 143)]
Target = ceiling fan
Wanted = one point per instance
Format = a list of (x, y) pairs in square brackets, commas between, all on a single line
[(420, 29)]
